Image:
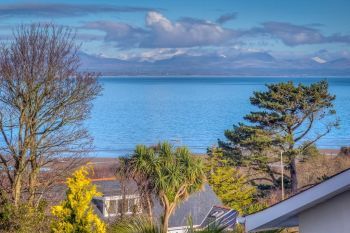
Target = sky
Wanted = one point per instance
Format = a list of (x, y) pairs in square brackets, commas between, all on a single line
[(160, 29)]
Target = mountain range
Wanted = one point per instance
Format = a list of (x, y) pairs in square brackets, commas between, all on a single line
[(243, 64)]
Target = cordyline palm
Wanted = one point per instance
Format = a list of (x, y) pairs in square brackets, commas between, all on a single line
[(137, 225), (171, 174), (143, 225)]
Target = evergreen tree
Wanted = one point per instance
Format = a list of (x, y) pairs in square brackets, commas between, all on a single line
[(285, 117), (231, 186), (75, 214)]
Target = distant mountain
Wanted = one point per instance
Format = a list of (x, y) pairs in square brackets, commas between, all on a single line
[(253, 60), (245, 64), (102, 64), (340, 63), (255, 56)]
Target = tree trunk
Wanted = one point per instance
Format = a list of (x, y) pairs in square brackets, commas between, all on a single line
[(149, 208), (32, 185), (293, 175), (16, 190), (166, 217)]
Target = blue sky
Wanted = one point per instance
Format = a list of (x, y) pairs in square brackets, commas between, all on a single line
[(159, 29)]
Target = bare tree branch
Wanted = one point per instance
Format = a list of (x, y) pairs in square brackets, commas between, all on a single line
[(44, 100)]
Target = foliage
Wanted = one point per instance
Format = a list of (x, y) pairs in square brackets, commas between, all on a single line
[(144, 225), (135, 225), (229, 184), (211, 228), (24, 218), (232, 188), (317, 169), (344, 151), (172, 174), (286, 115), (75, 214), (309, 150)]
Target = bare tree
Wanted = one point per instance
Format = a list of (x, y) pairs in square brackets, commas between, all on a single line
[(44, 100)]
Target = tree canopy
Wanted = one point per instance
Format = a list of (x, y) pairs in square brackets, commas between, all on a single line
[(229, 184), (286, 115)]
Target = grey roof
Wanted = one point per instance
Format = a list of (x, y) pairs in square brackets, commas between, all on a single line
[(112, 187), (197, 206)]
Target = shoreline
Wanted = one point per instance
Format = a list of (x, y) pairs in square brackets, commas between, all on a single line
[(224, 76), (108, 159)]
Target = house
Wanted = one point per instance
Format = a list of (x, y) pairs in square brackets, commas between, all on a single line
[(115, 205), (203, 207), (114, 201), (323, 208)]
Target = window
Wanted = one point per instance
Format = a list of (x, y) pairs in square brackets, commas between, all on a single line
[(116, 206), (133, 205), (122, 206), (112, 207)]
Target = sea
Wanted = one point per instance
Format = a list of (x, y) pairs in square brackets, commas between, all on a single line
[(191, 111)]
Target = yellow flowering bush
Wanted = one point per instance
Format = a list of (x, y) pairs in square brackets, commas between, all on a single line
[(75, 214)]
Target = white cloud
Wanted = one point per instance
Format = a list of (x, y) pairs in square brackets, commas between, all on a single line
[(319, 60), (155, 19), (183, 33)]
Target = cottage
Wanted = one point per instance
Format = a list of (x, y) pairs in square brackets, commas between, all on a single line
[(323, 208), (203, 207)]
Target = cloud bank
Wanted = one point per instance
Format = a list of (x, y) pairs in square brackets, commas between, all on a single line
[(64, 10), (161, 32), (293, 35)]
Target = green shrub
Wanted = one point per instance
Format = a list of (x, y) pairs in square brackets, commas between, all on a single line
[(24, 218)]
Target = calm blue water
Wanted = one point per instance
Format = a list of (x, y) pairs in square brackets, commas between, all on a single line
[(189, 111)]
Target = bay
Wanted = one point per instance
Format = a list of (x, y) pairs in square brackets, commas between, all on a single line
[(192, 111)]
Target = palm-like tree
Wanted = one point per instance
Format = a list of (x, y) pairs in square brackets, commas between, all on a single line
[(172, 174), (143, 225), (136, 225), (178, 175)]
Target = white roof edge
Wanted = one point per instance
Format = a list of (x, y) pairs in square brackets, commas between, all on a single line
[(181, 227), (298, 203)]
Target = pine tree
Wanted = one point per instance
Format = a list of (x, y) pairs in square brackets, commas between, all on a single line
[(75, 214), (285, 117)]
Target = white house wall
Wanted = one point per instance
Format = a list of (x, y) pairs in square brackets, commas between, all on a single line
[(332, 216)]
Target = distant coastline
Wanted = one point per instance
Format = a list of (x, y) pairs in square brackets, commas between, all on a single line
[(224, 76)]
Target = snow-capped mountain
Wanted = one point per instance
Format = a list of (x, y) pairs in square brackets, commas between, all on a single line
[(250, 63)]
